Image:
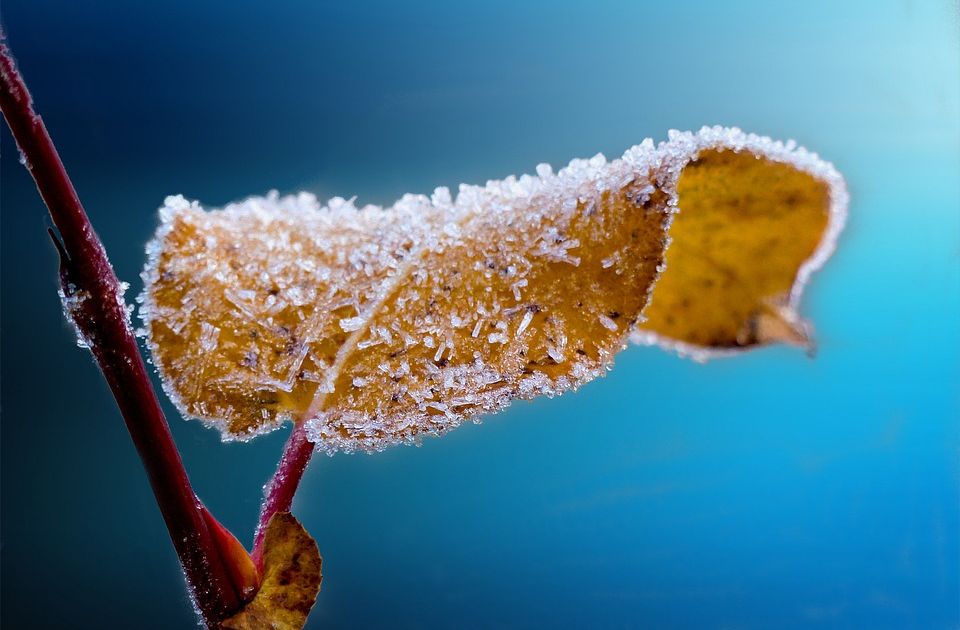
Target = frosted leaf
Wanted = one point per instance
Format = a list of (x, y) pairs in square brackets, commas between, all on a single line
[(477, 291), (377, 326)]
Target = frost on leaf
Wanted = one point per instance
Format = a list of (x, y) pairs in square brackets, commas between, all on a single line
[(376, 326), (290, 583)]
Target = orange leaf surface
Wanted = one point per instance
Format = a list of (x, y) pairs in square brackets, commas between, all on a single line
[(756, 219)]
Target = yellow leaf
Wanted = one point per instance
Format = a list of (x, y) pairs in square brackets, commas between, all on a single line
[(290, 583), (379, 326)]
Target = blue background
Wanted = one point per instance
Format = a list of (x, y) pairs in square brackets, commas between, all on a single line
[(768, 491)]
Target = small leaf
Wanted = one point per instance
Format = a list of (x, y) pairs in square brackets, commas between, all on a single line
[(290, 583), (379, 326)]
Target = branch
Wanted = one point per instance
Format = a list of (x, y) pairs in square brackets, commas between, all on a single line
[(94, 300)]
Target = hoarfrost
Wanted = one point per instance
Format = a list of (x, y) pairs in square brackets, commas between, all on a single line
[(72, 300), (349, 324), (209, 337), (527, 318)]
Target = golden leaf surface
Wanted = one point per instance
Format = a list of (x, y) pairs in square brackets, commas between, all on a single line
[(290, 583), (376, 326), (751, 227)]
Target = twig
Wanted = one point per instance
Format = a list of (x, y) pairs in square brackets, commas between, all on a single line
[(278, 494), (97, 307)]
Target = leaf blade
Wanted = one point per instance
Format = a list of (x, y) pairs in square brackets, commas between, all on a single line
[(756, 218)]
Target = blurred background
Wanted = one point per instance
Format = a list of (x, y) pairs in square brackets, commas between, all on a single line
[(768, 491)]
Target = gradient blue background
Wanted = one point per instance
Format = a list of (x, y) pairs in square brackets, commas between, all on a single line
[(771, 491)]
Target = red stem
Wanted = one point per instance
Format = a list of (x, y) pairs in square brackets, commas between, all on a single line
[(101, 317), (279, 491)]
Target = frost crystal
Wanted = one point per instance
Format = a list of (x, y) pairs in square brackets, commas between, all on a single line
[(607, 322)]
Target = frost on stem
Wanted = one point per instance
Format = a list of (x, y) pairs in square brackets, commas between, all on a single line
[(377, 326), (74, 301)]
